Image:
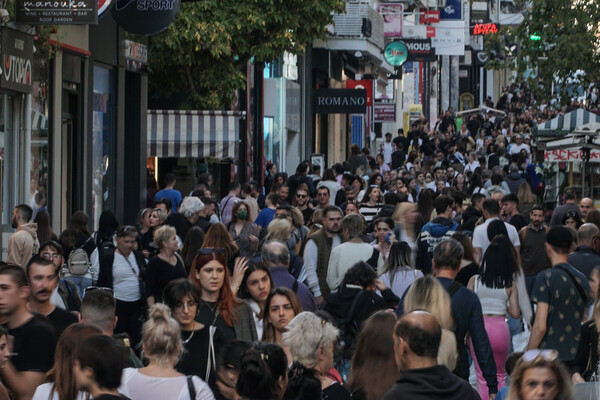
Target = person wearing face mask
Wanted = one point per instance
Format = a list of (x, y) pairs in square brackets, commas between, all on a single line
[(243, 231)]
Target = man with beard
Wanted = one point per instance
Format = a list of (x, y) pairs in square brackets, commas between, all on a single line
[(43, 279), (24, 243), (301, 202), (65, 296), (34, 339), (317, 251), (533, 247)]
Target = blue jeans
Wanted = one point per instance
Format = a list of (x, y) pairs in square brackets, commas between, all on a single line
[(80, 282)]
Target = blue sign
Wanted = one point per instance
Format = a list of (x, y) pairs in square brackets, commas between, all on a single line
[(408, 67), (453, 10)]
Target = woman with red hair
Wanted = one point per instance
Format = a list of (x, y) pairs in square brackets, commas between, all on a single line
[(219, 307)]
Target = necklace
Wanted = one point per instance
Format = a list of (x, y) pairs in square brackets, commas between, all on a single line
[(214, 310), (189, 337)]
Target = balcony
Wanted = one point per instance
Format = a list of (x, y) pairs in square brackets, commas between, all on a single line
[(359, 32)]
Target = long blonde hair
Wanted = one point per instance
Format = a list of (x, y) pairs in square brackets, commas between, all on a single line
[(525, 194), (428, 294), (400, 217)]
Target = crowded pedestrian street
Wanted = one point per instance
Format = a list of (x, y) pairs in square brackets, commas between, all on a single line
[(299, 200)]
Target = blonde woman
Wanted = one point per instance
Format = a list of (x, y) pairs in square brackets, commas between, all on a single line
[(526, 199), (405, 217), (161, 345), (428, 294)]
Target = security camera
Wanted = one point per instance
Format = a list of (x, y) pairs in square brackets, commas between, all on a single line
[(4, 15)]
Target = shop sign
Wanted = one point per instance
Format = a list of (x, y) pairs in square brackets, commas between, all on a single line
[(392, 14), (340, 101), (452, 10), (136, 55), (479, 10), (17, 60), (420, 50), (395, 53), (485, 29), (384, 112), (145, 17), (56, 12), (429, 16), (570, 155), (362, 84), (103, 6)]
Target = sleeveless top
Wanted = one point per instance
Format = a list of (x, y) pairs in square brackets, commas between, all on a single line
[(493, 301)]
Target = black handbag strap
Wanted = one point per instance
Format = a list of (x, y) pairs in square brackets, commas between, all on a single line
[(191, 388), (577, 285)]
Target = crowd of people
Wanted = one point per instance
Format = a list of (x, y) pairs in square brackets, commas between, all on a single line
[(398, 276)]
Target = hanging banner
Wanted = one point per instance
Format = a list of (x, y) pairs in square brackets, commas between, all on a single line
[(340, 101), (452, 10), (145, 17), (392, 18), (570, 155)]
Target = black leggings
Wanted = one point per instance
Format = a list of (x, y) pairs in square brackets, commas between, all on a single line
[(130, 318)]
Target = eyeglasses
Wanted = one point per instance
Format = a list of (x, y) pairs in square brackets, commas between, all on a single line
[(208, 250), (49, 256), (548, 355), (93, 288), (180, 306), (301, 196)]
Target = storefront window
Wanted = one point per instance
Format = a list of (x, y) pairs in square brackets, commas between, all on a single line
[(38, 180), (103, 136), (5, 143)]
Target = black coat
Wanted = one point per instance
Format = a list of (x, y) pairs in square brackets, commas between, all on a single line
[(338, 303)]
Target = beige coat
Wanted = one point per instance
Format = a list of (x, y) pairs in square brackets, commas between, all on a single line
[(22, 245)]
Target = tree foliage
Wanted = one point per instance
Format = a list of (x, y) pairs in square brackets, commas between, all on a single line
[(568, 48), (204, 53)]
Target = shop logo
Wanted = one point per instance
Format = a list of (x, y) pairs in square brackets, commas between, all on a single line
[(395, 53), (144, 5), (17, 69)]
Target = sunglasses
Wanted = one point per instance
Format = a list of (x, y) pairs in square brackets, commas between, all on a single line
[(93, 288), (301, 196), (208, 250), (548, 355), (126, 229)]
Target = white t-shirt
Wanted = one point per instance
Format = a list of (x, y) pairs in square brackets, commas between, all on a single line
[(388, 149), (343, 257), (43, 393), (516, 148), (138, 386), (125, 284), (480, 239)]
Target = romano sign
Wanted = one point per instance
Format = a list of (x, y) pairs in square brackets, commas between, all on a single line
[(340, 101), (56, 12)]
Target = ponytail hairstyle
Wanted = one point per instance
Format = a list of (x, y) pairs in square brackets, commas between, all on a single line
[(161, 336), (304, 384), (261, 369)]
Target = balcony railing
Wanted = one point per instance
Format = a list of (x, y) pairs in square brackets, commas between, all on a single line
[(361, 21)]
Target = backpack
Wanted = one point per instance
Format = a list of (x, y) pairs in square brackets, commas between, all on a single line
[(105, 246), (349, 330), (78, 262)]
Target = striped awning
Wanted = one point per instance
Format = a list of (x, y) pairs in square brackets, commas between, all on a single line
[(193, 133), (567, 123)]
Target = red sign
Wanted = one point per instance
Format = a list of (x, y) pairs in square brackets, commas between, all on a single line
[(485, 29), (384, 112), (429, 16), (560, 155), (362, 84), (430, 32), (103, 5)]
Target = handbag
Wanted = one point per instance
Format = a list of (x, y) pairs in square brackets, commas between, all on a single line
[(521, 340)]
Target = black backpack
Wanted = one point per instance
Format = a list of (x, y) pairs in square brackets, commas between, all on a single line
[(104, 245), (349, 330)]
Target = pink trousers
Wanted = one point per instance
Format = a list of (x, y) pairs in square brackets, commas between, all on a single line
[(499, 335)]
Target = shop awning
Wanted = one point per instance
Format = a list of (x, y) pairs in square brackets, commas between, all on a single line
[(567, 123), (193, 133)]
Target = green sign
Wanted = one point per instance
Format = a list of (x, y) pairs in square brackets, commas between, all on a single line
[(395, 53)]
